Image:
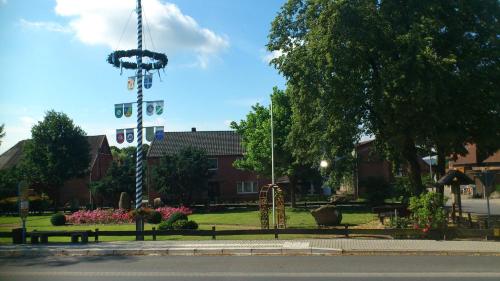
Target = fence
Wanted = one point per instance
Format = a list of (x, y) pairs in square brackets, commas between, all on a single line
[(451, 233)]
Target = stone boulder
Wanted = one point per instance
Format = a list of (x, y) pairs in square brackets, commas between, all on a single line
[(157, 203), (124, 202), (327, 215)]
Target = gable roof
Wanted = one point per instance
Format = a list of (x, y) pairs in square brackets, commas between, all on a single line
[(214, 143), (11, 157)]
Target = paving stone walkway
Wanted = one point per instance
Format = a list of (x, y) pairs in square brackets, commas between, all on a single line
[(258, 247)]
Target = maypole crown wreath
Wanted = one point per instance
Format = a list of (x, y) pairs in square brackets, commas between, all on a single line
[(159, 60)]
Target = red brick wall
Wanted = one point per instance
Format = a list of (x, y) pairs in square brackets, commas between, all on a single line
[(78, 188)]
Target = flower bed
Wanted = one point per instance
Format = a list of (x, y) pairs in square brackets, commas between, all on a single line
[(118, 216)]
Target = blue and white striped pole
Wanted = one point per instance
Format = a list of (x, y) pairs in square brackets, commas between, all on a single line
[(138, 170)]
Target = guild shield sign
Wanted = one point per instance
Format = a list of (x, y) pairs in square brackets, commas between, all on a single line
[(148, 81), (159, 134), (159, 107), (118, 110), (130, 135), (150, 108), (120, 136)]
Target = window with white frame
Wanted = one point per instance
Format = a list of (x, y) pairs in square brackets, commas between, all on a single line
[(243, 187)]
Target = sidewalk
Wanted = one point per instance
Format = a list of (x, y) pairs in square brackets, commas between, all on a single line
[(260, 247)]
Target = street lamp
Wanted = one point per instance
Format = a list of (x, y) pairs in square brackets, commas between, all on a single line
[(323, 164)]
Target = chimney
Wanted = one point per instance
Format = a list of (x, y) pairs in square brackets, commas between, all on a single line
[(193, 129)]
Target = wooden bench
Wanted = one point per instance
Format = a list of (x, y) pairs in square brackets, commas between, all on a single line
[(389, 211), (43, 236)]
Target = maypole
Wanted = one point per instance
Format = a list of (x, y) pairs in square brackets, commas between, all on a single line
[(139, 224), (156, 61)]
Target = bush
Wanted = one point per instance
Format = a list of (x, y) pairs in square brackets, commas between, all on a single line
[(191, 225), (399, 222), (154, 217), (176, 216), (58, 219), (377, 189), (427, 211), (184, 225), (164, 225)]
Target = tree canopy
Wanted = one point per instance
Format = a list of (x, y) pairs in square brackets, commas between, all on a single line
[(178, 177), (410, 73), (58, 151)]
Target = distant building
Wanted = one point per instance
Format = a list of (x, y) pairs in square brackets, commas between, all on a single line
[(369, 164), (75, 191), (222, 148), (475, 161)]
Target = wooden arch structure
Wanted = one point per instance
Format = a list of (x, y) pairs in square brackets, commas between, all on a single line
[(265, 204)]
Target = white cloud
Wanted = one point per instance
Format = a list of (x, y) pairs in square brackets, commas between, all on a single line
[(97, 22), (272, 55), (28, 121), (50, 26)]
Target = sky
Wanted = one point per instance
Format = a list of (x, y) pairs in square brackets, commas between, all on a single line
[(53, 57)]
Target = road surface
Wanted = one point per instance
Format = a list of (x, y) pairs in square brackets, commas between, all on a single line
[(477, 206), (211, 268)]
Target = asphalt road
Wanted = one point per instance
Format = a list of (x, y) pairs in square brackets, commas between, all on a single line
[(478, 206), (210, 268)]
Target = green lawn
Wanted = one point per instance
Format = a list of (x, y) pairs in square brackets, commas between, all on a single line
[(222, 220)]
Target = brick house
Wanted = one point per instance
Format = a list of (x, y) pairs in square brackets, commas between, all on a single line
[(222, 148), (75, 191), (474, 161), (370, 164)]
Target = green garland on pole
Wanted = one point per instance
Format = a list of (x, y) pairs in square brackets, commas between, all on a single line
[(160, 60)]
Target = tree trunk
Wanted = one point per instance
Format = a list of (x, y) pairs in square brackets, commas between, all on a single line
[(293, 184), (441, 162), (413, 169)]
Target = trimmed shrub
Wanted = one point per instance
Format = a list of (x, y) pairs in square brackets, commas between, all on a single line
[(154, 217), (176, 216), (164, 225), (184, 225), (191, 225), (58, 219)]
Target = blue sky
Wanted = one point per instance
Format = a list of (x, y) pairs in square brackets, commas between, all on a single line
[(53, 56)]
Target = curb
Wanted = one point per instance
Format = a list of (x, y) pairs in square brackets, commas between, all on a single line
[(234, 252)]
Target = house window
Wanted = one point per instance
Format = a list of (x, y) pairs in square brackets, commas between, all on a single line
[(247, 187), (213, 163)]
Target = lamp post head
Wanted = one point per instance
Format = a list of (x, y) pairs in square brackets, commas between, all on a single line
[(323, 164)]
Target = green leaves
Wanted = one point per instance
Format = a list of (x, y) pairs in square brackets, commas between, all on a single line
[(412, 74), (179, 176), (57, 152)]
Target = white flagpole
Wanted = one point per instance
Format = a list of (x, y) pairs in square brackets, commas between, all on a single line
[(272, 159)]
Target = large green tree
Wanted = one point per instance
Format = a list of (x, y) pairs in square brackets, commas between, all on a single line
[(58, 151), (411, 73), (120, 177), (255, 132), (178, 177)]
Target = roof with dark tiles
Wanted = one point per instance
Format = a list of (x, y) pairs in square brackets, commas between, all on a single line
[(214, 143), (11, 157)]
